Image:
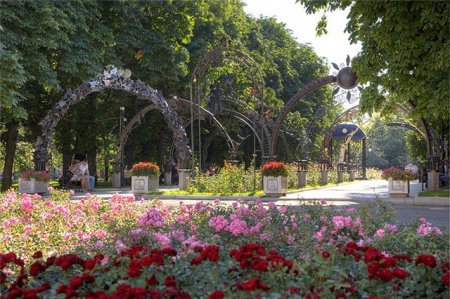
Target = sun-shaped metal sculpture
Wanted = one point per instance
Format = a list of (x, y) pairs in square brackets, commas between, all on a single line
[(347, 81)]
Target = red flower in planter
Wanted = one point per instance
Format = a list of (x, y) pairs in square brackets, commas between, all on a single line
[(274, 168), (427, 260), (398, 174), (145, 169)]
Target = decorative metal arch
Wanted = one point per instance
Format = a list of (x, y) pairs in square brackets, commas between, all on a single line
[(409, 127), (346, 115), (215, 58), (175, 103), (119, 80), (307, 89)]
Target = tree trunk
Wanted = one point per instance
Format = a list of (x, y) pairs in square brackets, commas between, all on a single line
[(92, 155), (10, 151), (106, 165), (67, 161)]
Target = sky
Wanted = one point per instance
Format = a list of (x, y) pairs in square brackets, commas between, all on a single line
[(334, 46)]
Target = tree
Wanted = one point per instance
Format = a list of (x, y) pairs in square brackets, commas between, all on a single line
[(404, 55)]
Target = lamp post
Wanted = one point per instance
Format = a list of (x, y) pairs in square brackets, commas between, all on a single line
[(121, 120)]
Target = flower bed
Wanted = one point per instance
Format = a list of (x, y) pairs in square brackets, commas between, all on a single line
[(123, 248)]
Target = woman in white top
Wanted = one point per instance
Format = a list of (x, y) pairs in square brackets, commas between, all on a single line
[(84, 169)]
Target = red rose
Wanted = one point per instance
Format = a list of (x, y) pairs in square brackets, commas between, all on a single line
[(427, 260), (170, 282), (135, 268), (36, 268), (446, 279), (76, 282), (37, 255), (385, 275), (400, 273), (89, 264), (152, 281), (217, 294), (445, 266), (326, 254)]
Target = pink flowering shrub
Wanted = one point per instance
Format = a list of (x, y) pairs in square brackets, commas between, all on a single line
[(240, 249)]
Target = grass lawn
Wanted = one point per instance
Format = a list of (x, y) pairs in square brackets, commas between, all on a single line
[(439, 193)]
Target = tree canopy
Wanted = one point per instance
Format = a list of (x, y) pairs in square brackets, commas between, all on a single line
[(404, 55)]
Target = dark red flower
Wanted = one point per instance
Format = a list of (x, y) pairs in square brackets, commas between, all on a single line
[(37, 255), (372, 254), (170, 282), (427, 260), (36, 268), (89, 264), (217, 294), (134, 268), (385, 275), (325, 254), (446, 279), (312, 296), (152, 281), (445, 267), (400, 273)]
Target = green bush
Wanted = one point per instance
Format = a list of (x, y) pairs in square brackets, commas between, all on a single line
[(230, 179)]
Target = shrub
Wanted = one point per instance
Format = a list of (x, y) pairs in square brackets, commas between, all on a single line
[(145, 169), (228, 180)]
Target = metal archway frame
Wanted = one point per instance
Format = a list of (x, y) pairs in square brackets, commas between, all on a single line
[(213, 59), (173, 103), (347, 114), (307, 89), (112, 78)]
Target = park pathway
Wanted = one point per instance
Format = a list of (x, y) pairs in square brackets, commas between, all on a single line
[(355, 194)]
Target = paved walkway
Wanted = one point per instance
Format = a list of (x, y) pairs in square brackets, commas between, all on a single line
[(359, 193)]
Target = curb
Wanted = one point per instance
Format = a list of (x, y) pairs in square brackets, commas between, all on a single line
[(408, 201)]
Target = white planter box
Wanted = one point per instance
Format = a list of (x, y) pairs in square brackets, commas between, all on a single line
[(32, 186), (397, 188), (143, 184), (275, 186)]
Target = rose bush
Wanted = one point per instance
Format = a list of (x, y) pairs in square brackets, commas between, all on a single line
[(53, 247)]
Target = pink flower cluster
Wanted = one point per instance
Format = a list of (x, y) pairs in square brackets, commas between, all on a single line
[(152, 218), (427, 229)]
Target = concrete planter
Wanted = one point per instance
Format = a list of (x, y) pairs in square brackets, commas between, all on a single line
[(32, 186), (143, 184), (275, 186), (398, 188)]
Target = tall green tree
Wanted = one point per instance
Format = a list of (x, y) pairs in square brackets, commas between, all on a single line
[(404, 52)]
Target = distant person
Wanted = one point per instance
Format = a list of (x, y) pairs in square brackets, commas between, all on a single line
[(75, 170), (84, 170)]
